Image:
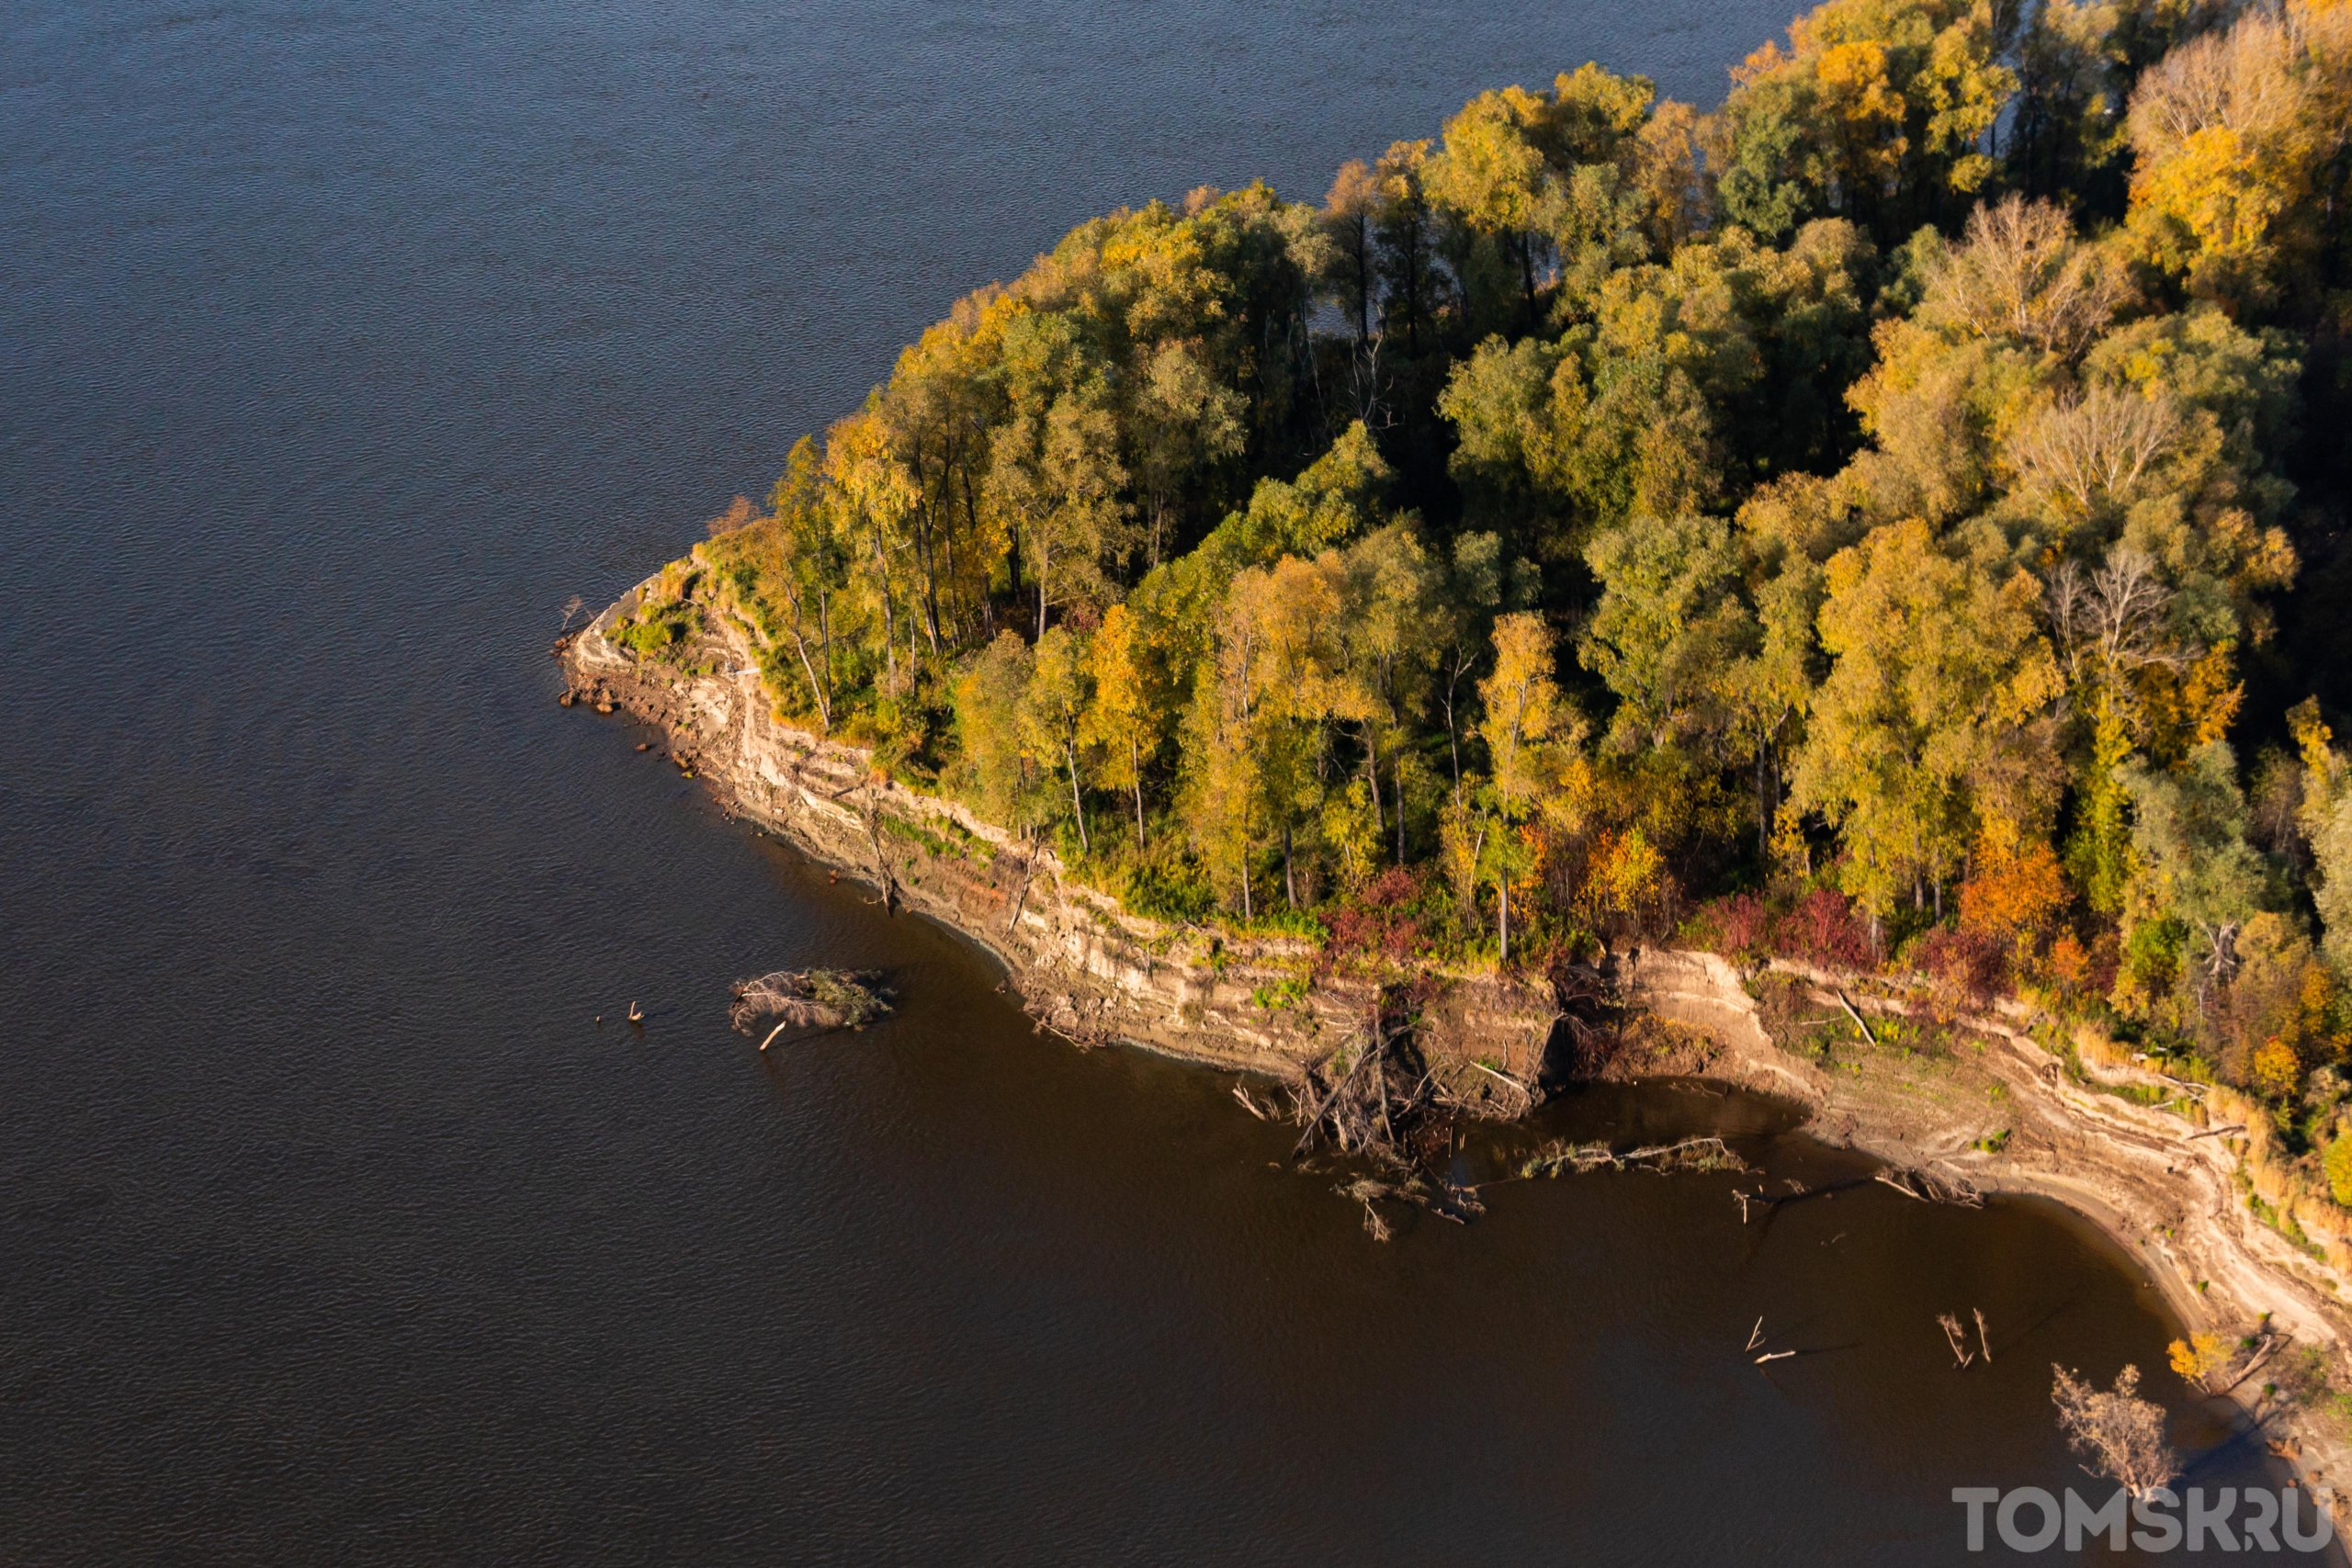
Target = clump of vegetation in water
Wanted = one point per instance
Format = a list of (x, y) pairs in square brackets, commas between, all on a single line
[(809, 998)]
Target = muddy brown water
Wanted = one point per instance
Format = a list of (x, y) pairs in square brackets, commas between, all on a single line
[(340, 343)]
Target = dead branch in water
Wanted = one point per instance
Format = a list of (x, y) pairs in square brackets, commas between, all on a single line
[(2121, 1434), (1458, 1204), (1689, 1155), (1375, 1100), (1927, 1187), (809, 998), (1951, 1325), (1983, 1338), (1250, 1104)]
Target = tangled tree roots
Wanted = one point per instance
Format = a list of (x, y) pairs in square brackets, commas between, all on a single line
[(1376, 1100), (809, 998), (1592, 1016)]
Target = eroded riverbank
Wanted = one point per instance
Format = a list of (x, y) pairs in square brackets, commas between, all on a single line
[(1997, 1114)]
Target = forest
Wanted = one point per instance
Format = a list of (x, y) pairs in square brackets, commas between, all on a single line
[(1895, 519)]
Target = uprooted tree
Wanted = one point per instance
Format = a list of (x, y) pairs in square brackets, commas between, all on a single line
[(816, 999), (2120, 1434), (1380, 1100)]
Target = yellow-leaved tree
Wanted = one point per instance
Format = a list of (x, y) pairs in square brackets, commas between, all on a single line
[(1927, 727), (1526, 726)]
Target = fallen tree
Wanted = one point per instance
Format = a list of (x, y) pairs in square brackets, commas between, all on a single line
[(815, 1000)]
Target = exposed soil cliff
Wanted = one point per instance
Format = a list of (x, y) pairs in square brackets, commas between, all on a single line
[(1993, 1112), (1084, 968), (1985, 1107)]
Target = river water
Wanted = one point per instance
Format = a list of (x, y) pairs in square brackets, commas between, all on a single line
[(340, 342)]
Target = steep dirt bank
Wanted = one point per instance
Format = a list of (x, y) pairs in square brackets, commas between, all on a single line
[(1990, 1109), (1994, 1112), (1083, 967)]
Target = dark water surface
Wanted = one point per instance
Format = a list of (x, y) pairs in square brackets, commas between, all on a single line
[(339, 344)]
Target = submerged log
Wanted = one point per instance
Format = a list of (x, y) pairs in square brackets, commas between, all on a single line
[(1689, 1155)]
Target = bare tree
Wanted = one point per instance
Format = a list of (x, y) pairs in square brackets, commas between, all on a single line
[(573, 608), (2120, 1434), (2114, 618), (2020, 273), (1369, 385), (2241, 81), (2095, 447)]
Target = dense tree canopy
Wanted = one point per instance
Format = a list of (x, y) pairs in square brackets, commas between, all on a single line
[(1903, 485)]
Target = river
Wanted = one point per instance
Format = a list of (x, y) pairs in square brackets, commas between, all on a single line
[(340, 343)]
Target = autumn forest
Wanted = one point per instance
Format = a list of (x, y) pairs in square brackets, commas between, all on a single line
[(1893, 519)]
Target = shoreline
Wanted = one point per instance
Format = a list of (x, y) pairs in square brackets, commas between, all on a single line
[(1997, 1114)]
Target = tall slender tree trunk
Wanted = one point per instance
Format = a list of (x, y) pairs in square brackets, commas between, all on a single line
[(1077, 802), (1290, 872), (890, 609), (931, 525), (1363, 282), (1044, 562), (824, 707), (1397, 775), (825, 642), (1135, 751), (1502, 919)]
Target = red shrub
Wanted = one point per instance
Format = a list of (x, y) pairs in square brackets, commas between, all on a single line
[(1740, 924), (1976, 961), (1392, 887), (1822, 929), (1381, 919)]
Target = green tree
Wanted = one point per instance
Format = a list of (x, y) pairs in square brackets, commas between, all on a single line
[(813, 567), (2325, 816), (1927, 724), (1052, 714), (1383, 656), (1667, 630), (992, 759), (1876, 110), (1491, 174), (2192, 869)]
